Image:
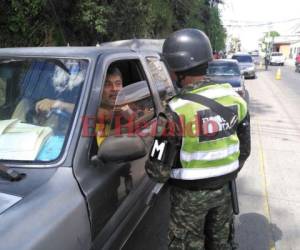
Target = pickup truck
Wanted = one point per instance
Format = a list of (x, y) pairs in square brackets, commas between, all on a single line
[(277, 58), (59, 189)]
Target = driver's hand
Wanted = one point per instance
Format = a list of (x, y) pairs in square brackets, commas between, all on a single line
[(45, 105)]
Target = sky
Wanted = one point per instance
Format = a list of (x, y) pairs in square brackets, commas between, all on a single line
[(276, 14)]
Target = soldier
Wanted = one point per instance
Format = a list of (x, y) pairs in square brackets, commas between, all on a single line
[(209, 156)]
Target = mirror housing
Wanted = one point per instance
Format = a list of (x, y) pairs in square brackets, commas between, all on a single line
[(125, 148)]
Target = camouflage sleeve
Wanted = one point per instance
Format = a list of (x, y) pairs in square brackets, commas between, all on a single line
[(164, 151)]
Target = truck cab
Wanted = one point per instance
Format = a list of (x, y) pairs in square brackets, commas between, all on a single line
[(59, 187)]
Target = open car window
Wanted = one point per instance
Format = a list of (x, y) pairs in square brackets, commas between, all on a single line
[(38, 99), (124, 108)]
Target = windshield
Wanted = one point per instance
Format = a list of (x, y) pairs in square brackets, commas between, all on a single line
[(242, 58), (38, 98), (276, 54), (226, 69)]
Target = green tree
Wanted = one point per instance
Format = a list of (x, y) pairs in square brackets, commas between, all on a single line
[(215, 29), (160, 18), (268, 39), (234, 45), (85, 22), (189, 14), (201, 14)]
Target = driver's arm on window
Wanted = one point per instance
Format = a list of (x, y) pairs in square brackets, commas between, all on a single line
[(45, 105)]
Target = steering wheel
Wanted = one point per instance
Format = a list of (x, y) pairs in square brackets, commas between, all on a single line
[(57, 119), (32, 114), (59, 112)]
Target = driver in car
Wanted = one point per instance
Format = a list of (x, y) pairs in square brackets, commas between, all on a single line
[(112, 86)]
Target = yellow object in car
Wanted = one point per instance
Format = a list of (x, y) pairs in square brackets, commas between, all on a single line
[(102, 130)]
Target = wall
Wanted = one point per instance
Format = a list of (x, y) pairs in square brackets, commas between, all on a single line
[(294, 50), (285, 50)]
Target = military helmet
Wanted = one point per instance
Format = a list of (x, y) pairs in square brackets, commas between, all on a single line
[(186, 49)]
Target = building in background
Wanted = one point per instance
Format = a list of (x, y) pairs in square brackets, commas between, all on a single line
[(294, 50), (288, 45)]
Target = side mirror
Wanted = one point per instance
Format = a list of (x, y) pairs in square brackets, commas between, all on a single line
[(116, 149)]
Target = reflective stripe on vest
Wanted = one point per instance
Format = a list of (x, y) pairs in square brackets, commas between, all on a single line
[(209, 154), (203, 173)]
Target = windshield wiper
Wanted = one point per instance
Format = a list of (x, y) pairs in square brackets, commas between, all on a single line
[(10, 174)]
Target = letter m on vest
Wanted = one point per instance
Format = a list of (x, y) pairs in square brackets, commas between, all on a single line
[(158, 150)]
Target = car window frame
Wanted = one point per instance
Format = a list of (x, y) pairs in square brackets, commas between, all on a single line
[(164, 100), (100, 69), (141, 70)]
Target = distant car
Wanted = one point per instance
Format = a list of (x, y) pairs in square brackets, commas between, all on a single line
[(246, 64), (227, 71), (277, 58), (255, 58)]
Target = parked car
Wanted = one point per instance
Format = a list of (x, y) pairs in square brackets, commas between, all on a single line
[(277, 58), (227, 71), (246, 64), (58, 188)]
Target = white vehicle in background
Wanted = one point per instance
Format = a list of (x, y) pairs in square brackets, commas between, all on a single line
[(277, 58)]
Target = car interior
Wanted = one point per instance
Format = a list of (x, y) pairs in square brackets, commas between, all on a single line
[(134, 104)]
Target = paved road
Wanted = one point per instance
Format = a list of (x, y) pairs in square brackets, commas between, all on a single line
[(269, 184)]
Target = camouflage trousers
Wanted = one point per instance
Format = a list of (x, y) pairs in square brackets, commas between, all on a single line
[(201, 219)]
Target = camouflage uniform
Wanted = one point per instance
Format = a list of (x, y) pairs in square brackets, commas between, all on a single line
[(200, 219)]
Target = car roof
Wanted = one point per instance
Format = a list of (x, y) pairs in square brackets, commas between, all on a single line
[(138, 44), (84, 52)]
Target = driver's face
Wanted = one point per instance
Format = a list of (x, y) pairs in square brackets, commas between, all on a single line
[(113, 84)]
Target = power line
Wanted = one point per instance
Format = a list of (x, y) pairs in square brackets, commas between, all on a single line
[(257, 24)]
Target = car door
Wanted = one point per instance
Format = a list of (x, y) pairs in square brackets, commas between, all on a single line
[(116, 193)]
